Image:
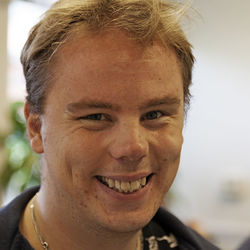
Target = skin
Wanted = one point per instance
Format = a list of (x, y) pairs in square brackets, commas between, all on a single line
[(116, 110)]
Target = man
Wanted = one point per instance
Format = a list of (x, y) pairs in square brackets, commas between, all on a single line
[(108, 83)]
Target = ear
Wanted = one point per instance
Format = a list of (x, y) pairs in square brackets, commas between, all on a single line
[(34, 124)]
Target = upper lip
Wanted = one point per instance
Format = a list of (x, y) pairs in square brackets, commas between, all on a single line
[(127, 177)]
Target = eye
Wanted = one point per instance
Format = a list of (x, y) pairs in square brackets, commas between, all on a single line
[(95, 121), (152, 115), (94, 117)]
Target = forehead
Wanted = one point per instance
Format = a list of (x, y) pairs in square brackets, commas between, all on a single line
[(113, 47), (113, 61)]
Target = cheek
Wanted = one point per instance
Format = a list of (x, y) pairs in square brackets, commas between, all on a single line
[(83, 158), (168, 158), (169, 148)]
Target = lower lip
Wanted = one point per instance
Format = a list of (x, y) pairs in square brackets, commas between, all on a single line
[(140, 194)]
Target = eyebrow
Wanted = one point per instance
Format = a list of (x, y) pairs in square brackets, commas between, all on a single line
[(77, 106), (166, 100)]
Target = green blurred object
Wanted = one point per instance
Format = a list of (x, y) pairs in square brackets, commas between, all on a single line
[(21, 167)]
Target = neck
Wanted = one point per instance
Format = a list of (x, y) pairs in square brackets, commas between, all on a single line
[(56, 232)]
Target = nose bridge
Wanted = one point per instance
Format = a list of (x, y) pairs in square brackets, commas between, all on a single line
[(130, 141)]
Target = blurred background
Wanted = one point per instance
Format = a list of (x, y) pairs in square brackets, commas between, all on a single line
[(212, 189)]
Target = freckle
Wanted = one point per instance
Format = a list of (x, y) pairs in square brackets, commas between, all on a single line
[(83, 204), (86, 191), (96, 196)]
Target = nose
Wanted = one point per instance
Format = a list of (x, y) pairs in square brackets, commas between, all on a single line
[(129, 143)]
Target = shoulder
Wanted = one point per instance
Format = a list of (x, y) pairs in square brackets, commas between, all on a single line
[(245, 245), (10, 216), (186, 237)]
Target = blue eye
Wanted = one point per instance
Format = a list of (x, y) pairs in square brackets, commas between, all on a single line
[(95, 117), (152, 115)]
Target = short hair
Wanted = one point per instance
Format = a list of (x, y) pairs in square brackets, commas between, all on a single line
[(142, 20)]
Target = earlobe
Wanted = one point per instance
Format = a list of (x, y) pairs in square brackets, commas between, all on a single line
[(34, 124)]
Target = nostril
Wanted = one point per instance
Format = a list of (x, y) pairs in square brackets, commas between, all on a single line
[(132, 158), (129, 151), (129, 142)]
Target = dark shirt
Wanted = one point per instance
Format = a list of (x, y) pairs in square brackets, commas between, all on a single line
[(164, 232), (245, 245)]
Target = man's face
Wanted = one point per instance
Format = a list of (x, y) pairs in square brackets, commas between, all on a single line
[(111, 132)]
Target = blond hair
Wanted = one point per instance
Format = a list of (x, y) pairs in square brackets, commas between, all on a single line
[(143, 21)]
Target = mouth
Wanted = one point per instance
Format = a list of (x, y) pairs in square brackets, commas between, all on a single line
[(124, 187)]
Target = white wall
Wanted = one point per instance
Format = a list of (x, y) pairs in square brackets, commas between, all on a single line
[(3, 65), (213, 184)]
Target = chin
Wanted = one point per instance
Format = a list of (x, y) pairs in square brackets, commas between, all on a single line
[(130, 221)]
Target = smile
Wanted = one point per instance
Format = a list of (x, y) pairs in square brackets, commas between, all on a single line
[(125, 187)]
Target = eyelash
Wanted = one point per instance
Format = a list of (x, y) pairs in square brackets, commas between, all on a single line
[(156, 112), (99, 116), (94, 117)]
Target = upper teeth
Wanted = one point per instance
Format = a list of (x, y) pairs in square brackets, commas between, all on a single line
[(124, 186)]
